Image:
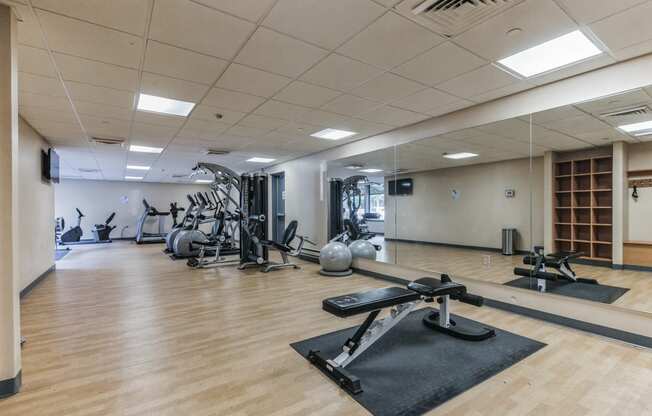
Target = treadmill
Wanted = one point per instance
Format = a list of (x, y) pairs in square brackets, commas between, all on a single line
[(143, 237)]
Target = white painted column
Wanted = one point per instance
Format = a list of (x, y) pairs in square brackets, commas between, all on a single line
[(619, 200), (9, 279), (548, 200)]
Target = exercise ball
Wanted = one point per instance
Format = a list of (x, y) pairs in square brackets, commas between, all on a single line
[(362, 249), (335, 259)]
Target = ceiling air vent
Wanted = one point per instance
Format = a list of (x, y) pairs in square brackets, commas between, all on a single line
[(216, 152), (108, 141), (637, 111), (452, 17)]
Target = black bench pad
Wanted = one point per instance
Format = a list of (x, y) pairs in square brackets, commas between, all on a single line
[(362, 302)]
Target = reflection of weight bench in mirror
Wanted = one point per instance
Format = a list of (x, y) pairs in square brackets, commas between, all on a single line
[(556, 261), (402, 301)]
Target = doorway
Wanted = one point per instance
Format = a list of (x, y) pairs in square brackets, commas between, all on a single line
[(278, 206)]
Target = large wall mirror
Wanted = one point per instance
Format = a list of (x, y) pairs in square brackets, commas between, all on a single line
[(555, 203)]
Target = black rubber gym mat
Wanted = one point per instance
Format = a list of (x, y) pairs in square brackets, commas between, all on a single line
[(412, 369), (595, 293), (59, 254)]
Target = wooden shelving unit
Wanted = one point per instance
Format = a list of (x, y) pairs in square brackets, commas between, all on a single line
[(583, 205)]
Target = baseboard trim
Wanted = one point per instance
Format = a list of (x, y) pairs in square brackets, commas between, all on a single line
[(37, 281), (628, 337), (633, 267), (433, 243), (596, 263), (11, 386)]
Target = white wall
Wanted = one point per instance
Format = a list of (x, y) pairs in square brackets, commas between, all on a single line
[(480, 212), (639, 224), (36, 208), (98, 199)]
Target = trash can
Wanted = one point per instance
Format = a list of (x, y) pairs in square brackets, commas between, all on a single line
[(509, 235)]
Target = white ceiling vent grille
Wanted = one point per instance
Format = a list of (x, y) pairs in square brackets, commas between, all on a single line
[(108, 141), (637, 111), (216, 152), (452, 17)]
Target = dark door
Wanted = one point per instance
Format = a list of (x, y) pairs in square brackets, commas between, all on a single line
[(278, 206)]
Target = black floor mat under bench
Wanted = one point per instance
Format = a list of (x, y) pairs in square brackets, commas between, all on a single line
[(595, 293), (412, 369)]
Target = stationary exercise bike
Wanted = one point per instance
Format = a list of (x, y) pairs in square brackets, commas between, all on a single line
[(101, 232), (75, 233)]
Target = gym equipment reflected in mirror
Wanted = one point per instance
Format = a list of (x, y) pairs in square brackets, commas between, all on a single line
[(555, 202)]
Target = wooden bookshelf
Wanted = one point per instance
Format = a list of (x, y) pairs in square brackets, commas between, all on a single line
[(583, 206)]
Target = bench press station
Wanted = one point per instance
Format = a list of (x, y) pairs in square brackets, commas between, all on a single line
[(556, 261), (402, 301)]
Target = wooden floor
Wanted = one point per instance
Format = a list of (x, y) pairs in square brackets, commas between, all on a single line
[(122, 330), (494, 267)]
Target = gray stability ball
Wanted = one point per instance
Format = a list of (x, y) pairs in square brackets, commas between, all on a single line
[(335, 259), (362, 249)]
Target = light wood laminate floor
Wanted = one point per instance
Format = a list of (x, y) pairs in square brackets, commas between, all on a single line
[(122, 330), (494, 267)]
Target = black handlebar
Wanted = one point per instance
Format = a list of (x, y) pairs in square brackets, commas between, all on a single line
[(79, 213)]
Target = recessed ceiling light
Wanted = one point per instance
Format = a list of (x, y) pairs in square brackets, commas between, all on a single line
[(556, 53), (135, 178), (333, 134), (203, 181), (461, 155), (137, 167), (354, 167), (371, 170), (260, 160), (644, 127), (145, 149), (164, 105)]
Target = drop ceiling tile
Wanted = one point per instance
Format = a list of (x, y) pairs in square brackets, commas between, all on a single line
[(404, 38), (96, 73), (327, 119), (252, 81), (560, 113), (232, 100), (340, 73), (40, 85), (477, 82), (208, 113), (307, 95), (279, 54), (35, 61), (510, 89), (172, 88), (262, 122), (102, 110), (126, 15), (440, 64), (199, 28), (251, 10), (626, 28), (281, 110), (181, 63), (393, 116), (350, 105), (425, 100), (247, 132), (105, 127), (90, 41), (449, 108), (40, 114), (49, 102), (100, 95), (588, 11), (387, 87), (615, 102), (29, 30), (490, 40), (158, 119), (312, 20), (577, 125), (152, 133), (567, 72)]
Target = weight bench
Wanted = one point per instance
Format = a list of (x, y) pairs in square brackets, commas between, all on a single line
[(402, 301), (557, 261)]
